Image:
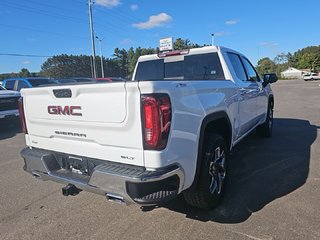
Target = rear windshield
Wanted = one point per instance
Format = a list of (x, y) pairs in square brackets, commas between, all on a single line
[(193, 67), (41, 81)]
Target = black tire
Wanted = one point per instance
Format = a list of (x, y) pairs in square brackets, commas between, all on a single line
[(265, 129), (212, 177)]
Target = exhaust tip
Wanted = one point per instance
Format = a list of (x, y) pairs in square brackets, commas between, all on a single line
[(115, 198)]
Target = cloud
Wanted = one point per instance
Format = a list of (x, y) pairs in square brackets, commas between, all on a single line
[(126, 41), (108, 3), (232, 22), (26, 62), (222, 33), (134, 7), (268, 44), (154, 21)]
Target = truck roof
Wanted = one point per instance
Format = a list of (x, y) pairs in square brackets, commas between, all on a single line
[(192, 51), (201, 50)]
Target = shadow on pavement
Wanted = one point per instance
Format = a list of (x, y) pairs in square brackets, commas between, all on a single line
[(9, 130), (261, 170)]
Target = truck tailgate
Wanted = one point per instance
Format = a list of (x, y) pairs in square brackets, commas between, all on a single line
[(94, 120)]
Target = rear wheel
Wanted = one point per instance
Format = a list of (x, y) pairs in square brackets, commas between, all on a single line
[(265, 129), (212, 178)]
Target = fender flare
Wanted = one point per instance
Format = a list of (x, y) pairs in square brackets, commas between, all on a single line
[(208, 119)]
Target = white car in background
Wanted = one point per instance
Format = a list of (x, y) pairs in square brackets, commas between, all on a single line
[(311, 77)]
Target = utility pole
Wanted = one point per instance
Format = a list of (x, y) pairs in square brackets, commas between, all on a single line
[(212, 39), (94, 73), (100, 41)]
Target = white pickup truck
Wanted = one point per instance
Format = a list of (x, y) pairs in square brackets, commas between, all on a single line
[(166, 132), (8, 105)]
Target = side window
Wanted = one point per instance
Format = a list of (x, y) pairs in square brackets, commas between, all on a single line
[(22, 84), (237, 66), (253, 76), (9, 84)]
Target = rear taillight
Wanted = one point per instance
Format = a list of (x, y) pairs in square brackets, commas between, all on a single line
[(22, 116), (156, 118)]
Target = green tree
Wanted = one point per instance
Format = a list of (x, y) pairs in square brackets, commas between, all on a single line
[(308, 57), (180, 44), (64, 66), (309, 60), (120, 57), (24, 72), (281, 58), (132, 59), (282, 62), (266, 65)]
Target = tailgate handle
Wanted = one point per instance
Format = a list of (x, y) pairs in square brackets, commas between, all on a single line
[(62, 93)]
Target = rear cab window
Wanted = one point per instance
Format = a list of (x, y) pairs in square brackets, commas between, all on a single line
[(190, 67)]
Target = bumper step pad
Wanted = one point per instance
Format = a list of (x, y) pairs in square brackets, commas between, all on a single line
[(156, 197)]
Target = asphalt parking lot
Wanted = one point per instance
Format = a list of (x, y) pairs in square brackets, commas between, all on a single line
[(273, 191)]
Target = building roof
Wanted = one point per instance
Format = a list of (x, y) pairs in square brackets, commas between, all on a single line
[(291, 69), (295, 70)]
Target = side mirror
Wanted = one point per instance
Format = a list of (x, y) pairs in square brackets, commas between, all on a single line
[(269, 78)]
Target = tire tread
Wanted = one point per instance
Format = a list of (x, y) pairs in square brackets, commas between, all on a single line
[(200, 196)]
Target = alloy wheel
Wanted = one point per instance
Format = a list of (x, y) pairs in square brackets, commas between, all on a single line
[(217, 171)]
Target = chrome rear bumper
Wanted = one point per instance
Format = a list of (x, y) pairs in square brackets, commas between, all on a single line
[(114, 180)]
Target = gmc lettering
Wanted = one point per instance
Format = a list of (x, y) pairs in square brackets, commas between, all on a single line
[(66, 110)]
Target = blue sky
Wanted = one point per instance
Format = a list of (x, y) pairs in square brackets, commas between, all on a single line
[(51, 27)]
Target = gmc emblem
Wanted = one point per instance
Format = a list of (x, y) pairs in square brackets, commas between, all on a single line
[(67, 110)]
